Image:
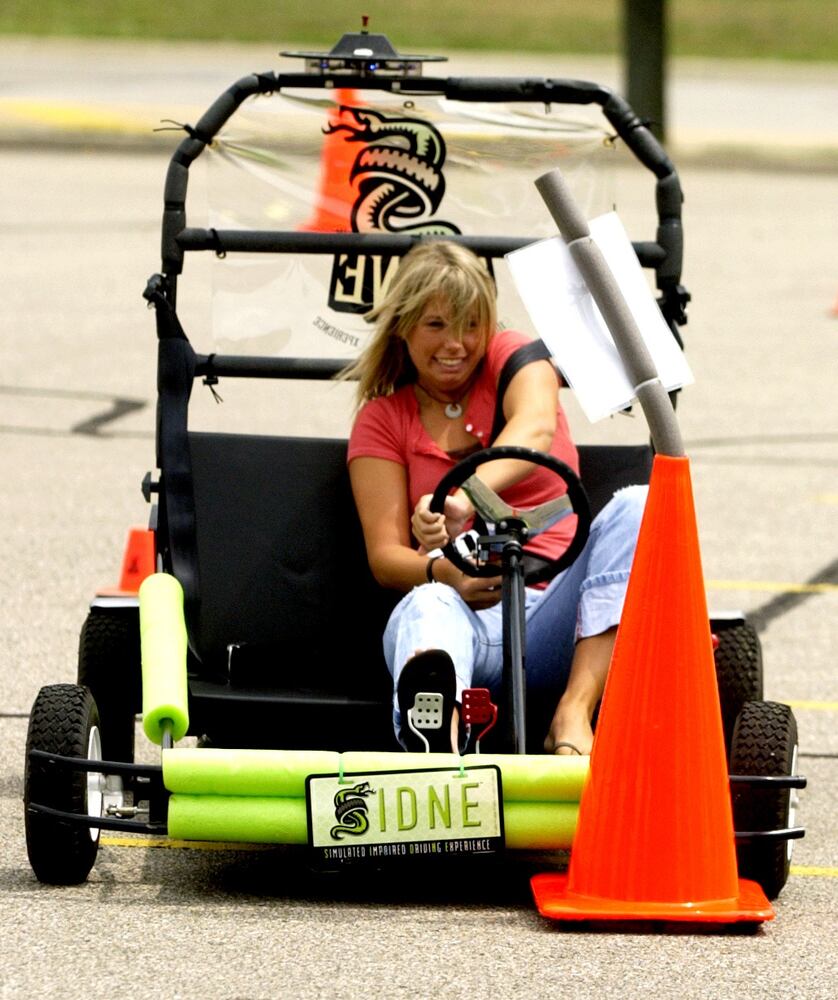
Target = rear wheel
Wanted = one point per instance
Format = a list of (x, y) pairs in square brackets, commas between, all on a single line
[(764, 743), (738, 670), (64, 720), (109, 664)]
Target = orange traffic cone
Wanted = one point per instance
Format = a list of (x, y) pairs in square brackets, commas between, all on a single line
[(336, 194), (654, 839), (138, 560)]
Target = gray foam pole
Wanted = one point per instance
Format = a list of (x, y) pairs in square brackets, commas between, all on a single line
[(640, 368)]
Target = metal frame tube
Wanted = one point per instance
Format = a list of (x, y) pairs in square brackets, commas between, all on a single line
[(514, 643)]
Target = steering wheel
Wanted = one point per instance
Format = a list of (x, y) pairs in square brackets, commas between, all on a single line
[(524, 524)]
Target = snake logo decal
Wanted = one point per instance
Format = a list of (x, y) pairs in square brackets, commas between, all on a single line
[(351, 811), (400, 187), (400, 169)]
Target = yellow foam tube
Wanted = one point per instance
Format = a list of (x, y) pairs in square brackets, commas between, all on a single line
[(245, 820), (525, 778), (163, 644), (270, 773), (537, 826), (210, 771)]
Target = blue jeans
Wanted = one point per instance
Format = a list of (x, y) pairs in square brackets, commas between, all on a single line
[(585, 599)]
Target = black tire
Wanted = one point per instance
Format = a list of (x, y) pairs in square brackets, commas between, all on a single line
[(109, 664), (738, 671), (764, 743), (61, 722)]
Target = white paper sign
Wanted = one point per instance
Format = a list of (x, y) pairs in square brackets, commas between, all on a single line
[(570, 324)]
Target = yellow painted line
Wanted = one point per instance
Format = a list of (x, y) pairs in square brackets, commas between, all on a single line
[(73, 116), (817, 706), (814, 871), (773, 586), (181, 845), (827, 498)]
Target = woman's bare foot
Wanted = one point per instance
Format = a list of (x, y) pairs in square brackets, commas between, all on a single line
[(570, 733), (571, 723)]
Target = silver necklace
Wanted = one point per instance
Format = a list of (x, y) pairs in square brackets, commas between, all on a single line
[(451, 410)]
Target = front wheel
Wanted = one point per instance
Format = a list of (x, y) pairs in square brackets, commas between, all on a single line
[(764, 743), (64, 720)]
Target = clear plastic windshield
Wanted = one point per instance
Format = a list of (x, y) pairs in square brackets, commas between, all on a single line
[(367, 162)]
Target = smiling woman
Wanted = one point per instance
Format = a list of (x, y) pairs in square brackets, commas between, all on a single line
[(428, 389), (444, 356), (440, 306)]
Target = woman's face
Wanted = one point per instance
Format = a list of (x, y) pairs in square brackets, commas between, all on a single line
[(444, 361)]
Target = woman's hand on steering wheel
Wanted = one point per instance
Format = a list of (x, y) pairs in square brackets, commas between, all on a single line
[(435, 530)]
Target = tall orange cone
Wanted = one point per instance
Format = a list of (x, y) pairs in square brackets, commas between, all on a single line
[(654, 839), (336, 193)]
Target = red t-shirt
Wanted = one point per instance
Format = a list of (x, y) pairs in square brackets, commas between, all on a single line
[(390, 427)]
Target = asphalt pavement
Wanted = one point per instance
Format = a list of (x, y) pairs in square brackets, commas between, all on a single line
[(115, 92), (757, 151)]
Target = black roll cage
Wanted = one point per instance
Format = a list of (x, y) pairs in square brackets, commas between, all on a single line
[(179, 365), (664, 254)]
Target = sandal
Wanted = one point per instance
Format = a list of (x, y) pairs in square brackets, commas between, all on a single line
[(570, 746)]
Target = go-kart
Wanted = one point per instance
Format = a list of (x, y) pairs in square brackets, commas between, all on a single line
[(259, 631)]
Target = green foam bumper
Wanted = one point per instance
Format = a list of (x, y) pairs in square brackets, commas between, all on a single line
[(539, 826), (259, 820), (258, 796), (163, 644), (283, 773), (525, 777), (247, 819), (267, 773)]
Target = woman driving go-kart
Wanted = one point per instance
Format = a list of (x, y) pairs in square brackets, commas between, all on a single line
[(250, 614), (428, 394)]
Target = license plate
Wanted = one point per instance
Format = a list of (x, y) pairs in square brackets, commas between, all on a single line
[(382, 815)]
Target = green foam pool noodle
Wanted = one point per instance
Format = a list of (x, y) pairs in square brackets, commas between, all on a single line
[(259, 820), (215, 771), (210, 771), (163, 644), (539, 826), (525, 777), (245, 820)]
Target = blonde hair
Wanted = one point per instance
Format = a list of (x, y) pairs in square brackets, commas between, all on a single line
[(437, 268)]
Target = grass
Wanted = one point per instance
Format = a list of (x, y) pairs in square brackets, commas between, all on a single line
[(779, 29)]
